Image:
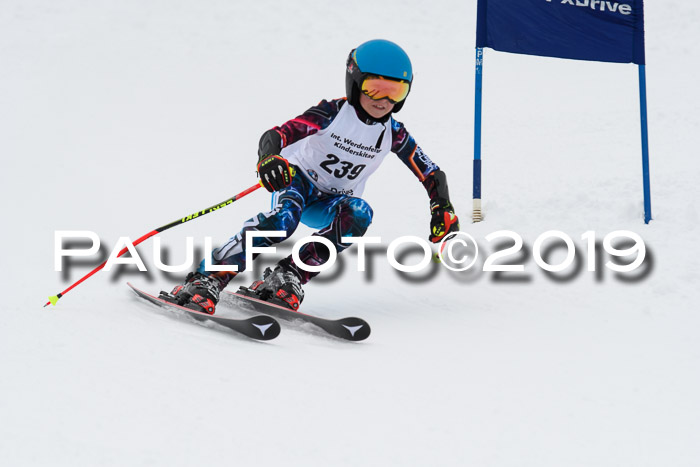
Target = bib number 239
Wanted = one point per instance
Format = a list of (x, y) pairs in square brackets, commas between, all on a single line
[(346, 169)]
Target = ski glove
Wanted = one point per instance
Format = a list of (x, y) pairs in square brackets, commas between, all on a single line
[(274, 173), (443, 221)]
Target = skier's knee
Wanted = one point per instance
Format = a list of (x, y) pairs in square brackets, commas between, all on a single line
[(288, 221), (286, 217), (361, 213)]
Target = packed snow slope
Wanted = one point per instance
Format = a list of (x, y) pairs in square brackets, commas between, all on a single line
[(120, 116)]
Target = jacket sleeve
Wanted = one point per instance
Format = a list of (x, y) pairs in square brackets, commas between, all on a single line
[(416, 160), (313, 120)]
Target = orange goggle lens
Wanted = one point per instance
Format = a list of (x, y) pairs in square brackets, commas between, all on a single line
[(377, 87)]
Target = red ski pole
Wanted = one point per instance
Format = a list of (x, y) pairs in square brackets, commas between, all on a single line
[(54, 298)]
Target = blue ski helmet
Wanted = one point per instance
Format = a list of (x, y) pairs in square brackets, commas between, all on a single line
[(377, 57)]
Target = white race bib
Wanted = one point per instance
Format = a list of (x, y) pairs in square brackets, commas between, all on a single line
[(340, 158)]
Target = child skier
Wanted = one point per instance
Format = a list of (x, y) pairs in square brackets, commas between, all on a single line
[(316, 166)]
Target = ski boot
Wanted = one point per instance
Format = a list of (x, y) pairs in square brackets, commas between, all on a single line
[(281, 287), (199, 292)]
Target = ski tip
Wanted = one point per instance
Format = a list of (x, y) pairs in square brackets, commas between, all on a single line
[(356, 329), (268, 327)]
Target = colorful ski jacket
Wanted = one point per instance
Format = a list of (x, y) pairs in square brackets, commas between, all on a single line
[(337, 150)]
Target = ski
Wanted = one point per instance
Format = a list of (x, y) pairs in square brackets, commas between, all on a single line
[(352, 329), (259, 327)]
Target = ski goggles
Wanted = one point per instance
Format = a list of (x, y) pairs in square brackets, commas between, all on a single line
[(378, 87)]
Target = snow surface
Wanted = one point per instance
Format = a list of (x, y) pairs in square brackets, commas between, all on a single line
[(121, 116)]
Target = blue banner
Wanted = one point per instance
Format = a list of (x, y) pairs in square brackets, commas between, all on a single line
[(599, 30)]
